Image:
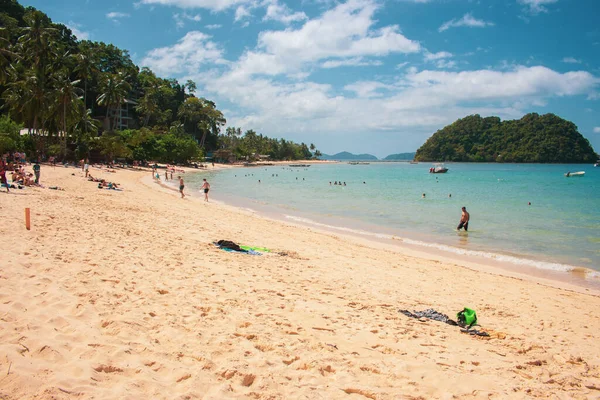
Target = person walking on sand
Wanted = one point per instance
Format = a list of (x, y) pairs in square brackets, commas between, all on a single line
[(36, 171), (181, 186), (206, 188), (86, 168), (464, 220)]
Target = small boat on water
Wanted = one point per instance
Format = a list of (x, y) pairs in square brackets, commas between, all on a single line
[(597, 164), (358, 163), (299, 165), (573, 174), (414, 162), (438, 169)]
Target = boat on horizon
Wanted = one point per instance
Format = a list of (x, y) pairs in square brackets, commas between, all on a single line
[(358, 163), (414, 162), (299, 165), (438, 169), (573, 174)]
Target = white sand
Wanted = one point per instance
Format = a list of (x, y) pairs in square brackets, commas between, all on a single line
[(120, 295)]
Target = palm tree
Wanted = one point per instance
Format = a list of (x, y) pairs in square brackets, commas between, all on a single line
[(148, 105), (6, 55), (66, 101), (114, 90), (84, 126), (85, 68)]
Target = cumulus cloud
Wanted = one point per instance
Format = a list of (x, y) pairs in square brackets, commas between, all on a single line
[(467, 20), (597, 129), (282, 13), (419, 100), (271, 90), (213, 26), (213, 5), (191, 53), (571, 60), (536, 6), (343, 32)]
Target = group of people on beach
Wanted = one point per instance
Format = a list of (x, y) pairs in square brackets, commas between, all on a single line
[(13, 165), (169, 170)]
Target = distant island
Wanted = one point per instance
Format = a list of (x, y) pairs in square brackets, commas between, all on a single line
[(400, 157), (345, 156), (531, 139)]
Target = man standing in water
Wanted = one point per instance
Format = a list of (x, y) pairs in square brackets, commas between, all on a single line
[(181, 186), (464, 220), (206, 188)]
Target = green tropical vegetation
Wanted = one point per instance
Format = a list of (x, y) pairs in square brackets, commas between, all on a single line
[(79, 98), (532, 139)]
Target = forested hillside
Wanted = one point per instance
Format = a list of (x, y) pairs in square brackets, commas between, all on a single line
[(81, 98), (531, 139)]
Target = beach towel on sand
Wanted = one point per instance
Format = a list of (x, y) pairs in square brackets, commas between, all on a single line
[(230, 246)]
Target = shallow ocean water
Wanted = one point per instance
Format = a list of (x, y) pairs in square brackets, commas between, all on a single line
[(559, 230)]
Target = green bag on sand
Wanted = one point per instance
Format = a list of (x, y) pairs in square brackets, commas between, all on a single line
[(467, 317)]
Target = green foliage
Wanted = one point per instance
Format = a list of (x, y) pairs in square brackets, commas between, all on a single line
[(67, 91), (532, 139), (147, 145), (250, 146), (10, 138)]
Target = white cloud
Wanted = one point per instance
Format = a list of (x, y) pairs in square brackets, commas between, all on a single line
[(180, 18), (437, 56), (343, 32), (445, 64), (213, 5), (419, 100), (241, 12), (213, 26), (402, 65), (190, 54), (282, 13), (366, 89), (467, 20), (351, 62), (536, 6), (270, 89), (597, 129), (115, 16), (571, 60), (76, 29)]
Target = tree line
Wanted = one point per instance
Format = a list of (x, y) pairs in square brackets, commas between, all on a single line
[(80, 98), (531, 139)]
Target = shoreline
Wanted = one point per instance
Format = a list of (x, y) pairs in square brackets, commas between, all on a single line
[(120, 294), (553, 273)]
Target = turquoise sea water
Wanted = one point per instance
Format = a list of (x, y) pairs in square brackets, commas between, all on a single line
[(559, 230)]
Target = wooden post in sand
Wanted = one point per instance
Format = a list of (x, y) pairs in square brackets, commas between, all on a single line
[(28, 219)]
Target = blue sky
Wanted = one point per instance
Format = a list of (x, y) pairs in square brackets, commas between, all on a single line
[(374, 76)]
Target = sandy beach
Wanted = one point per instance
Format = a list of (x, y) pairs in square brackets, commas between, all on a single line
[(122, 295)]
